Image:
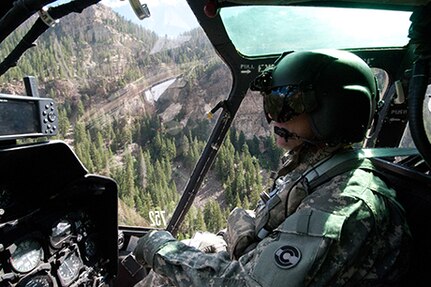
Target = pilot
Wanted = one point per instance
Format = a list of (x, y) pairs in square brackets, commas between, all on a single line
[(321, 224)]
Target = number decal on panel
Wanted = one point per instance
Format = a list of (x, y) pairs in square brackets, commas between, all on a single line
[(157, 217)]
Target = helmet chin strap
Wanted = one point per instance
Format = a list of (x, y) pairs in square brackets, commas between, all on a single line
[(284, 133)]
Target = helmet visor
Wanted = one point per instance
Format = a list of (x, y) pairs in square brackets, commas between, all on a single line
[(281, 104)]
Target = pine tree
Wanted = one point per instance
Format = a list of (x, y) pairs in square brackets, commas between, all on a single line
[(213, 216), (128, 183), (96, 157), (218, 218), (63, 123), (79, 109), (200, 223), (141, 170), (184, 146), (208, 218)]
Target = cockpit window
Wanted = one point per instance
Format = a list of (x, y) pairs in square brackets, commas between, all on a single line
[(382, 79), (406, 140), (274, 29)]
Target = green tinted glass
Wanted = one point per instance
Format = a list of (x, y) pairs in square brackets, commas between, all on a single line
[(268, 30)]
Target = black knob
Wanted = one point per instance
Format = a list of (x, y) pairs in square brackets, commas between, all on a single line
[(52, 117)]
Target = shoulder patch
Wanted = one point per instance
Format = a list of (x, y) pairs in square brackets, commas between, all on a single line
[(287, 256)]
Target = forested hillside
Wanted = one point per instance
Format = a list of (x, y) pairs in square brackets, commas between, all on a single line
[(104, 73)]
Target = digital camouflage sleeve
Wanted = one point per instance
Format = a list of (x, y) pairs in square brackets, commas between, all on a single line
[(348, 231)]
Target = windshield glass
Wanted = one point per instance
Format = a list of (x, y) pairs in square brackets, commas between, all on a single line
[(273, 29), (133, 99)]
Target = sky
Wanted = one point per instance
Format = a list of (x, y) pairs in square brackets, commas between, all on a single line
[(168, 17)]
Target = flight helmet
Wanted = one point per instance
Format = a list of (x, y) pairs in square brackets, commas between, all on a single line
[(337, 89)]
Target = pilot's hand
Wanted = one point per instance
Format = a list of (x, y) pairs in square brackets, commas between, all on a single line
[(149, 244), (206, 242)]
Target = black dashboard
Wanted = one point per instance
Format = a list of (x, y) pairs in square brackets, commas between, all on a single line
[(58, 224)]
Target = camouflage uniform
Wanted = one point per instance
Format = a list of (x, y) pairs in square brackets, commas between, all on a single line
[(348, 232)]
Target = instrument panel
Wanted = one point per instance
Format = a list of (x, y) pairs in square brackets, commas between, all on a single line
[(61, 243), (55, 230)]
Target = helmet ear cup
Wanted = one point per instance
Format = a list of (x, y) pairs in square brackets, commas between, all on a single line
[(361, 111), (346, 92), (345, 117)]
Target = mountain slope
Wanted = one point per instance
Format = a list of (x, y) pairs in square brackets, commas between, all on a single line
[(104, 73)]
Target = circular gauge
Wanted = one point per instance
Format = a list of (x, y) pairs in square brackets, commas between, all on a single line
[(26, 256), (69, 269), (36, 281)]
